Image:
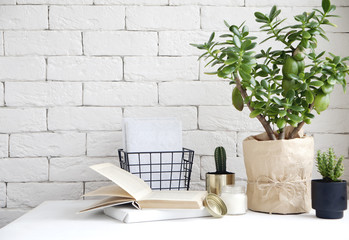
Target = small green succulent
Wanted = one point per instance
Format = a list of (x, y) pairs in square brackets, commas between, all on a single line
[(329, 166)]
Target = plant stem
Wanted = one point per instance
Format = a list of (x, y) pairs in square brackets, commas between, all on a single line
[(260, 117), (282, 134), (300, 125)]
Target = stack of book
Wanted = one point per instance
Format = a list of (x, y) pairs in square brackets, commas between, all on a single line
[(148, 205)]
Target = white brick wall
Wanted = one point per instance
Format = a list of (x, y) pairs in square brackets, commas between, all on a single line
[(2, 194), (207, 93), (84, 68), (43, 94), (1, 94), (121, 43), (22, 68), (23, 169), (120, 94), (43, 43), (23, 17), (71, 69), (161, 68), (84, 118), (103, 143), (22, 120), (31, 194), (47, 144), (76, 169), (162, 18), (3, 145), (87, 17)]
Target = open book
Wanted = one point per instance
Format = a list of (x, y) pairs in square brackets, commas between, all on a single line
[(132, 189)]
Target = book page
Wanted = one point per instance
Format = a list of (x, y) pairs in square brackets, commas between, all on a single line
[(132, 184), (173, 199), (112, 190), (107, 202)]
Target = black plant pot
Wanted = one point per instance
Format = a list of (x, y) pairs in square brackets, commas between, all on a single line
[(329, 199)]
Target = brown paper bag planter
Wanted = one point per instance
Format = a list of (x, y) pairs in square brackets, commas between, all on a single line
[(279, 174)]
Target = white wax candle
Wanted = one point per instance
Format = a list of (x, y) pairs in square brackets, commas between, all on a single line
[(236, 202)]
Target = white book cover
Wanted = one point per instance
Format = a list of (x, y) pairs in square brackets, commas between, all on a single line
[(129, 214)]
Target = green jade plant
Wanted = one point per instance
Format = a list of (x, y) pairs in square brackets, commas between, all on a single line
[(220, 158), (329, 166), (280, 87)]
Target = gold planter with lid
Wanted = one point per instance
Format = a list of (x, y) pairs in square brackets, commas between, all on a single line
[(216, 181)]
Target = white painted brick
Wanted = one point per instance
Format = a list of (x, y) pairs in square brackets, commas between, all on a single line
[(196, 168), (339, 99), (2, 195), (330, 121), (205, 142), (234, 164), (240, 138), (32, 194), (162, 18), (87, 17), (2, 97), (84, 118), (23, 17), (3, 145), (339, 142), (212, 18), (9, 2), (22, 68), (341, 22), (1, 44), (22, 120), (23, 169), (84, 68), (120, 43), (76, 169), (9, 215), (43, 94), (262, 3), (206, 93), (315, 174), (132, 2), (120, 94), (43, 43), (345, 175), (103, 143), (197, 186), (91, 186), (227, 118), (177, 43), (187, 115), (57, 2), (208, 2), (337, 44), (161, 68), (47, 144)]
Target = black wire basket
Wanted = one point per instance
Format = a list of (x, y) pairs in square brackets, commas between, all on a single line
[(168, 170)]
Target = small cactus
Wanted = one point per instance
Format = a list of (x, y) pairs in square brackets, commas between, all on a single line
[(328, 166), (220, 158)]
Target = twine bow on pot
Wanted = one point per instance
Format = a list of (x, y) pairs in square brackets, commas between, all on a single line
[(286, 189)]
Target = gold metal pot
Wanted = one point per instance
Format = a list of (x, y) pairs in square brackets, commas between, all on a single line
[(216, 181)]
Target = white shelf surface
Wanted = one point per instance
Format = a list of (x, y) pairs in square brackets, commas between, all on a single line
[(58, 220)]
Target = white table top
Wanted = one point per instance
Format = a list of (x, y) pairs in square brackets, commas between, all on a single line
[(57, 220)]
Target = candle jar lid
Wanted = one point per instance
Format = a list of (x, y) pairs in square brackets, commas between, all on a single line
[(233, 189), (215, 205)]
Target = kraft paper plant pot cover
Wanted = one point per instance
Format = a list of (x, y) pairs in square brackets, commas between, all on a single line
[(279, 174)]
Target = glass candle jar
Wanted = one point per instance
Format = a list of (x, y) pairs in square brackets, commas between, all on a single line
[(234, 197)]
